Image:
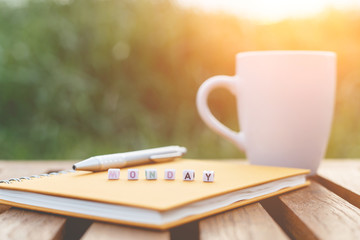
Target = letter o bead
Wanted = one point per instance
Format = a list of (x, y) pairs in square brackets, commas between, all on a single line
[(169, 174), (133, 174), (113, 173)]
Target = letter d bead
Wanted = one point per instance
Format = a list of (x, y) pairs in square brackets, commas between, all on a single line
[(169, 174)]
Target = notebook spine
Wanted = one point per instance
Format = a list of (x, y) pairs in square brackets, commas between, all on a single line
[(20, 179)]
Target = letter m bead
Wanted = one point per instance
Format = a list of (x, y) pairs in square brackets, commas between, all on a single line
[(113, 173)]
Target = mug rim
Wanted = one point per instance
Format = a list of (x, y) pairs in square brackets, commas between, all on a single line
[(286, 52)]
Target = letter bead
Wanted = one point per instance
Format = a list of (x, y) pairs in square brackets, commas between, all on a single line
[(208, 176), (188, 175), (133, 174), (169, 174), (113, 173), (151, 174)]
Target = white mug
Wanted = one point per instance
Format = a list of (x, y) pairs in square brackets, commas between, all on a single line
[(285, 103)]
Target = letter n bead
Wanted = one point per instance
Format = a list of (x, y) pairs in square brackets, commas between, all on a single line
[(151, 174), (133, 174), (208, 176), (113, 173), (188, 175), (169, 174)]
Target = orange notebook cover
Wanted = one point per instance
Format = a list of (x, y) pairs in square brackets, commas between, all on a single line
[(158, 204)]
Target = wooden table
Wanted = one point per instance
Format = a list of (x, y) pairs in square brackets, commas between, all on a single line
[(327, 209)]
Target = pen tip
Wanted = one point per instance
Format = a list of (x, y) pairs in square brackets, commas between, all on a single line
[(74, 167)]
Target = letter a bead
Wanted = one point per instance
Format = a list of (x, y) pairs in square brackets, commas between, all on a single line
[(113, 173), (133, 174), (151, 174), (169, 174), (208, 176), (188, 175)]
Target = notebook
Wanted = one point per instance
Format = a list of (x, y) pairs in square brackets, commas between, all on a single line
[(158, 204)]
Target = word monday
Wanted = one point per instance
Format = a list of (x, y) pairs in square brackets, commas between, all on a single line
[(151, 174)]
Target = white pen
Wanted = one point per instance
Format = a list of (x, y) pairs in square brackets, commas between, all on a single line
[(119, 160)]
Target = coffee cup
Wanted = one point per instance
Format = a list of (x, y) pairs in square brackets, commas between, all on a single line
[(285, 103)]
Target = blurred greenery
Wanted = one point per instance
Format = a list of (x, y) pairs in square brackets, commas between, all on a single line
[(86, 77)]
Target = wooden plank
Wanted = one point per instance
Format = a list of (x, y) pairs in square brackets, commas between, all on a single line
[(102, 231), (315, 213), (341, 177), (21, 224), (248, 222)]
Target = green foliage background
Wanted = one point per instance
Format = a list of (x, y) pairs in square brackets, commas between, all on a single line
[(86, 77)]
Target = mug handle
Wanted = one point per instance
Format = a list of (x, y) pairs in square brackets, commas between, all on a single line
[(229, 83)]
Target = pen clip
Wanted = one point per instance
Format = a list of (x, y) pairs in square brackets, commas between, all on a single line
[(165, 157)]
